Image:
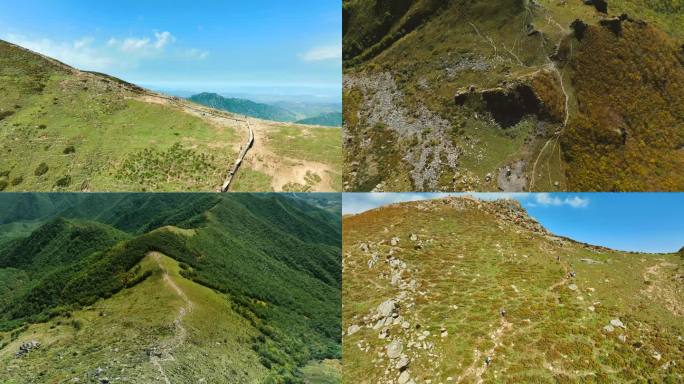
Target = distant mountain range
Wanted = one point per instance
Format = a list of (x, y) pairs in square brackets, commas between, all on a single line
[(301, 113), (332, 119)]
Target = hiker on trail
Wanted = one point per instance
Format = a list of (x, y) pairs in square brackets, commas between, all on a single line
[(488, 360), (573, 274), (558, 258), (502, 311)]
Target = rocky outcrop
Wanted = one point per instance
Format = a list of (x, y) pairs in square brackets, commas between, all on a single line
[(27, 347), (508, 104), (579, 27), (613, 24), (600, 5)]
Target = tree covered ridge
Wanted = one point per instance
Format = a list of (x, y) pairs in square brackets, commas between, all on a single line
[(254, 249)]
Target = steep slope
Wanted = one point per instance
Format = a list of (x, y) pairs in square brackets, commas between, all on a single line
[(229, 288), (62, 129), (244, 107), (526, 95), (462, 290)]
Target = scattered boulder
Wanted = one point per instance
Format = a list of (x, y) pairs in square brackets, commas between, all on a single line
[(608, 328), (590, 261), (394, 349), (572, 287), (617, 323), (385, 309), (402, 363), (353, 329), (404, 378), (27, 347)]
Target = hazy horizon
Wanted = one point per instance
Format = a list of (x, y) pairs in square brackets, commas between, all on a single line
[(259, 48)]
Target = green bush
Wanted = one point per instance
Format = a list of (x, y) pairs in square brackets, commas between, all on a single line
[(77, 324), (64, 181), (69, 149), (17, 180), (3, 184), (41, 169)]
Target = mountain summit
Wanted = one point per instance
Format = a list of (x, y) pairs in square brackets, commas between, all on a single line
[(464, 290)]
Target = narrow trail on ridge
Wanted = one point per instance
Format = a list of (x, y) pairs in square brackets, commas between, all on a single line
[(165, 351), (556, 137)]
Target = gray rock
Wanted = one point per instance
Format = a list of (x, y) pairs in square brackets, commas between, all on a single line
[(404, 378), (617, 323), (402, 363), (385, 309), (608, 328), (353, 329), (572, 287), (394, 349)]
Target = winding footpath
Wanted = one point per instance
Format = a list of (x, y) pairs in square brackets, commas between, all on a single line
[(181, 333), (203, 111), (238, 161)]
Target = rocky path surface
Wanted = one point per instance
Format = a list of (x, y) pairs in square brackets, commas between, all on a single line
[(165, 351), (240, 158)]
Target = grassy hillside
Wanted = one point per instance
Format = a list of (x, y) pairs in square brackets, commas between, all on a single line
[(427, 305), (244, 107), (62, 129), (239, 288), (465, 95)]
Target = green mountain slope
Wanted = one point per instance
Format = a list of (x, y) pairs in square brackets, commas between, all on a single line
[(332, 119), (65, 129), (240, 288), (244, 107), (521, 95), (426, 282)]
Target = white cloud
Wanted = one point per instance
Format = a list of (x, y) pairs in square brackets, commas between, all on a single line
[(77, 53), (110, 55), (82, 43), (134, 44), (321, 53), (196, 54), (546, 200), (163, 38), (143, 44)]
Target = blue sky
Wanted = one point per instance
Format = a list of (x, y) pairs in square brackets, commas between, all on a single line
[(646, 222), (198, 45)]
